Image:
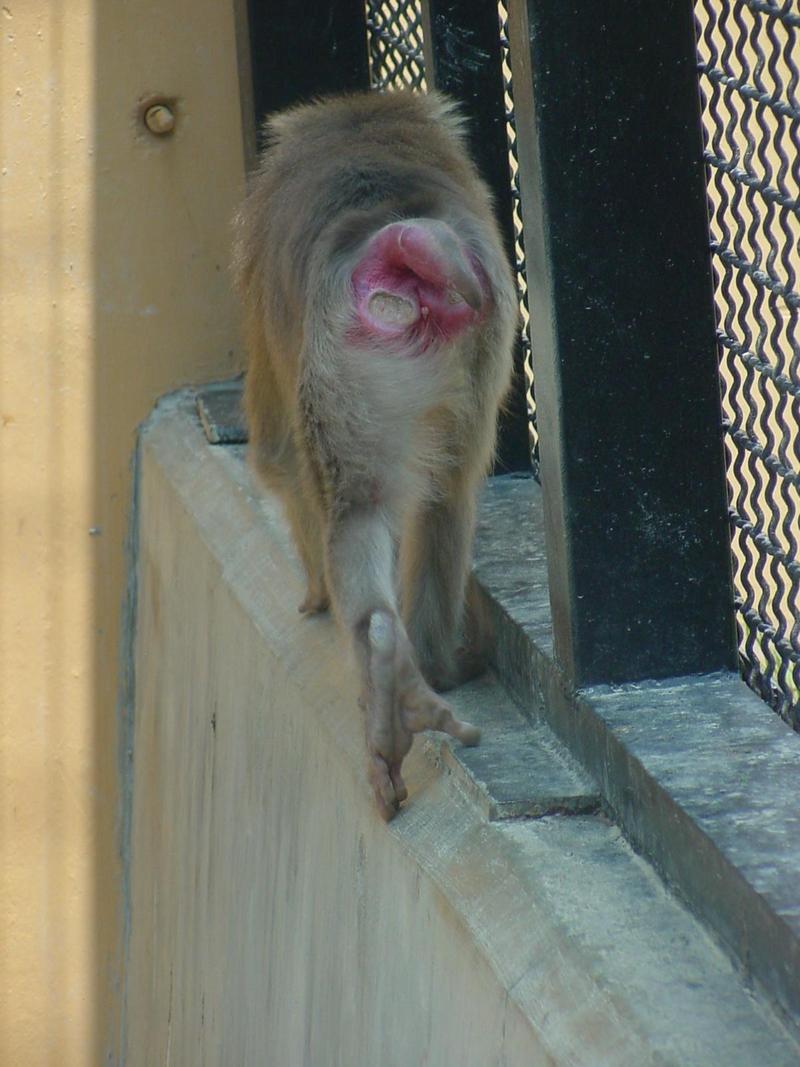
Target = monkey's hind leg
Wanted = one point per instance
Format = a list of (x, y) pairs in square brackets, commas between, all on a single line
[(399, 704), (305, 521), (397, 699), (306, 524), (280, 466), (435, 556)]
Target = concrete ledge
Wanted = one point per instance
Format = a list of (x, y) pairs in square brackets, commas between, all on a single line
[(276, 920), (699, 772)]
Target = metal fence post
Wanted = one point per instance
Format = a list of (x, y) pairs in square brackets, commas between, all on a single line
[(463, 59), (618, 267)]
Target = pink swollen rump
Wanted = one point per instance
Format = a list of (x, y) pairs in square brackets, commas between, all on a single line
[(416, 283)]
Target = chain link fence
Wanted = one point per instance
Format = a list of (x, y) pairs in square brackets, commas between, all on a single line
[(749, 75), (394, 39)]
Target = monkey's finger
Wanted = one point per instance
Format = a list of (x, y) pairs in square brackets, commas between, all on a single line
[(466, 733), (435, 714), (397, 781)]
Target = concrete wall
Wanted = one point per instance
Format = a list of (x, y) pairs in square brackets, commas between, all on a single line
[(276, 920), (113, 270), (262, 933)]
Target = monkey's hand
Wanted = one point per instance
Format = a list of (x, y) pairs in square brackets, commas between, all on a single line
[(399, 703)]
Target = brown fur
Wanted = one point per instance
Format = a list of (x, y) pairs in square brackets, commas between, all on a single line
[(377, 457)]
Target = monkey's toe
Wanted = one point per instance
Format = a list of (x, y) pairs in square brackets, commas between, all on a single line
[(387, 785), (468, 734)]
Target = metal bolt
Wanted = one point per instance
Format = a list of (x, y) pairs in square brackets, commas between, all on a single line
[(159, 119)]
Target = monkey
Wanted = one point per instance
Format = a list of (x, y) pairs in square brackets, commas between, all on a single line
[(379, 316)]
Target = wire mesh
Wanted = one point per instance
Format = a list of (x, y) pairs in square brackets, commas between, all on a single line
[(394, 41), (749, 76)]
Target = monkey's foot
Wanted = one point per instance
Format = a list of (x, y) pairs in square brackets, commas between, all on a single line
[(467, 664), (399, 703)]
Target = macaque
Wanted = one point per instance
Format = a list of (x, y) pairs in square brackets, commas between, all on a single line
[(380, 315)]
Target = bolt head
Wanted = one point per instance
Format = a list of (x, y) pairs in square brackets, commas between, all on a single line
[(159, 119)]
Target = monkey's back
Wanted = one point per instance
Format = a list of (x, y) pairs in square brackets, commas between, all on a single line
[(333, 175), (401, 151)]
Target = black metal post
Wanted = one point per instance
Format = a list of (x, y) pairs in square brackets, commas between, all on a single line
[(305, 48), (463, 59), (613, 196)]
